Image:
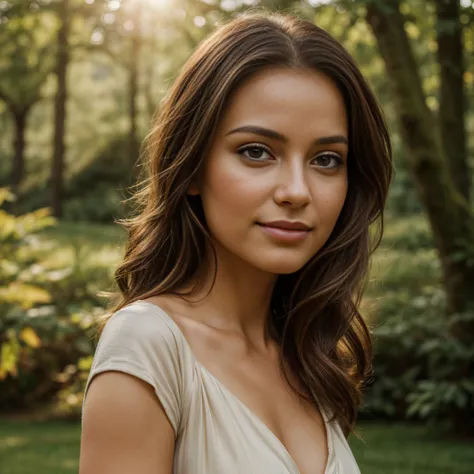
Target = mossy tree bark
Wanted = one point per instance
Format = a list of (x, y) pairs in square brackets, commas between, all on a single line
[(19, 114), (133, 90), (63, 56), (18, 166), (448, 211), (452, 96)]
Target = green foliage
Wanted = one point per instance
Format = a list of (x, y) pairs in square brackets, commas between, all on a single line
[(95, 192), (410, 234), (402, 325), (421, 369), (15, 233), (46, 314), (465, 252), (402, 199), (17, 292), (46, 345), (448, 387), (26, 42), (101, 204)]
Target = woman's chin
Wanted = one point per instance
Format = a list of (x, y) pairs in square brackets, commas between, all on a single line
[(282, 267)]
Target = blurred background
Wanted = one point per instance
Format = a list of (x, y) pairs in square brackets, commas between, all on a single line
[(79, 83)]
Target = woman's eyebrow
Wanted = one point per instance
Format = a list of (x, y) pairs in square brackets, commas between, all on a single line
[(266, 132)]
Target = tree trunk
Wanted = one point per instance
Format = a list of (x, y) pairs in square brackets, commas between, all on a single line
[(133, 72), (452, 96), (133, 92), (60, 110), (448, 212), (151, 101), (18, 164)]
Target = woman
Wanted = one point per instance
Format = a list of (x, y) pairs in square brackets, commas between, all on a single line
[(236, 345)]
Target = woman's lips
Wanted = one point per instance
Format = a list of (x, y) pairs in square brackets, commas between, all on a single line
[(285, 235)]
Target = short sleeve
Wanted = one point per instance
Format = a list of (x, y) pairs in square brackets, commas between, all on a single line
[(142, 342)]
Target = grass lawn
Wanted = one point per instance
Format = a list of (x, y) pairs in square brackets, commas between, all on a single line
[(53, 448), (39, 447), (409, 449)]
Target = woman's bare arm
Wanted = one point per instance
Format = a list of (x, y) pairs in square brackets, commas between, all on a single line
[(124, 429)]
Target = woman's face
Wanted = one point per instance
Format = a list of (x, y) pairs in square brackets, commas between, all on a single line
[(294, 169)]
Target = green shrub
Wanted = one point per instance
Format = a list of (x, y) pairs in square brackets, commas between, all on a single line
[(44, 345), (410, 234), (94, 193), (100, 204), (404, 272), (46, 314), (16, 292), (421, 369), (403, 199)]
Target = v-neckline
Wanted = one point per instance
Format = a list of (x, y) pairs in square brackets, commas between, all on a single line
[(262, 424), (249, 411)]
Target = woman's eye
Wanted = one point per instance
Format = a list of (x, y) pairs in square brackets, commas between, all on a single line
[(254, 152), (329, 160)]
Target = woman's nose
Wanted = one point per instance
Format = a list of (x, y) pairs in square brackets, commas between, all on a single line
[(293, 188)]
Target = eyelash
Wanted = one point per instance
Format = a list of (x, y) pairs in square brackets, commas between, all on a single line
[(336, 157)]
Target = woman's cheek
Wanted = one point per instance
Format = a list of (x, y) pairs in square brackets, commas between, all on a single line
[(235, 187)]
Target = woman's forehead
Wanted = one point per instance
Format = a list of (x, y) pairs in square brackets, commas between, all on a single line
[(284, 97)]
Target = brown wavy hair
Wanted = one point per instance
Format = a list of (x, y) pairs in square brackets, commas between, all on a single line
[(324, 340)]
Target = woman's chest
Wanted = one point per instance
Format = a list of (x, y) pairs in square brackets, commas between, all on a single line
[(260, 428)]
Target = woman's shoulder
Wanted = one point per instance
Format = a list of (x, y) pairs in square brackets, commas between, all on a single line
[(143, 321), (142, 340), (144, 333)]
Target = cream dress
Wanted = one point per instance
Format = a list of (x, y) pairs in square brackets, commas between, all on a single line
[(215, 432)]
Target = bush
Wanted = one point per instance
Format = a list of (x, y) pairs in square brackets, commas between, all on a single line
[(421, 369), (95, 192), (403, 199), (100, 204), (46, 315), (410, 234), (39, 347), (404, 272)]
